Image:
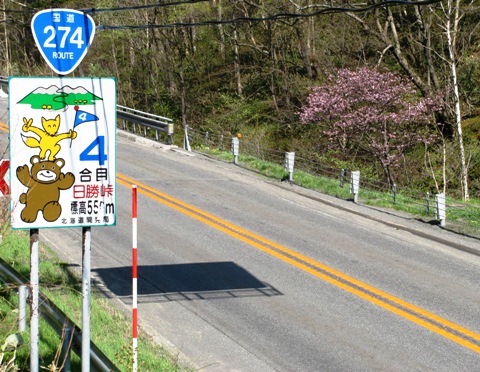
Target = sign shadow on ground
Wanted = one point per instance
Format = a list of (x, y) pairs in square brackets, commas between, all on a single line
[(182, 282)]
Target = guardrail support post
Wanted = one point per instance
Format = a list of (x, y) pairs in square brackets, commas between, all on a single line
[(65, 351), (427, 197), (56, 318), (342, 177), (22, 307), (169, 134), (355, 185), (235, 147), (441, 209), (394, 193)]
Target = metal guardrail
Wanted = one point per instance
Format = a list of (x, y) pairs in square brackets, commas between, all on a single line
[(157, 122), (57, 319), (136, 117), (3, 82)]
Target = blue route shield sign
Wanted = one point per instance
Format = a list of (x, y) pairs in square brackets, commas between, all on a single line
[(63, 36)]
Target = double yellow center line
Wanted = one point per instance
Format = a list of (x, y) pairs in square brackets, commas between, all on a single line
[(443, 327)]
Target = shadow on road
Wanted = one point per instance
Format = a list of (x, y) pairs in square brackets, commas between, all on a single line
[(187, 282)]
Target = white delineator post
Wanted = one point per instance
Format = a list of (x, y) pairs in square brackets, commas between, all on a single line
[(289, 161), (355, 185), (134, 279), (441, 208), (235, 146)]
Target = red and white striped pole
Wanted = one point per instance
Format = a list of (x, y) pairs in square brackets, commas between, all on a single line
[(134, 279)]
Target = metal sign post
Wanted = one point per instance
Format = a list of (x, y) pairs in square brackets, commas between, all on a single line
[(86, 257), (34, 309)]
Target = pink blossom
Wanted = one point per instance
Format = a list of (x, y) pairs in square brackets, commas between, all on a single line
[(379, 112)]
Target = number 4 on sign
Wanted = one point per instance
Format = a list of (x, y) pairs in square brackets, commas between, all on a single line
[(100, 156)]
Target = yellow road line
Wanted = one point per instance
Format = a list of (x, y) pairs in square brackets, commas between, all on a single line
[(409, 311), (347, 283)]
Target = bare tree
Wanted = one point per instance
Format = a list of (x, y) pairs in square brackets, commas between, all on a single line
[(451, 14), (422, 64)]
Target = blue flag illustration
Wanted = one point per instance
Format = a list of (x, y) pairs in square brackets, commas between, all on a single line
[(83, 116)]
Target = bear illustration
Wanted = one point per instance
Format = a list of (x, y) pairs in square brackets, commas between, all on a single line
[(44, 182)]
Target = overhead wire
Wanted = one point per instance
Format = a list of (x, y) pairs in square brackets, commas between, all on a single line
[(140, 7), (115, 9), (283, 15), (326, 10)]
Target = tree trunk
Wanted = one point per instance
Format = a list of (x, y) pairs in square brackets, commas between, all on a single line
[(304, 43), (451, 30), (221, 30), (7, 48), (238, 76)]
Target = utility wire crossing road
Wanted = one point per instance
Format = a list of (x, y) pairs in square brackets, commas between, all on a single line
[(437, 324)]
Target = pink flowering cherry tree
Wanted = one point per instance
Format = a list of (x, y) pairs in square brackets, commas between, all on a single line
[(379, 113)]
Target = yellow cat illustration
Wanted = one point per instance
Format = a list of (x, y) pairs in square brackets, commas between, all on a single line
[(48, 141)]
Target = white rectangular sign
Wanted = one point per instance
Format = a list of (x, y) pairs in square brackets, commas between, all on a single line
[(62, 151)]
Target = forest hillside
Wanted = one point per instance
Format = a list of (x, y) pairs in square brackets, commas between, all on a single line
[(391, 89)]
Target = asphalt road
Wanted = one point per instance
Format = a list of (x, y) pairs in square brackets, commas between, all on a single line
[(239, 273)]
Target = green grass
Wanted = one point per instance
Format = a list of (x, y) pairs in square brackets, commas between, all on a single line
[(110, 328), (216, 153), (461, 217)]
